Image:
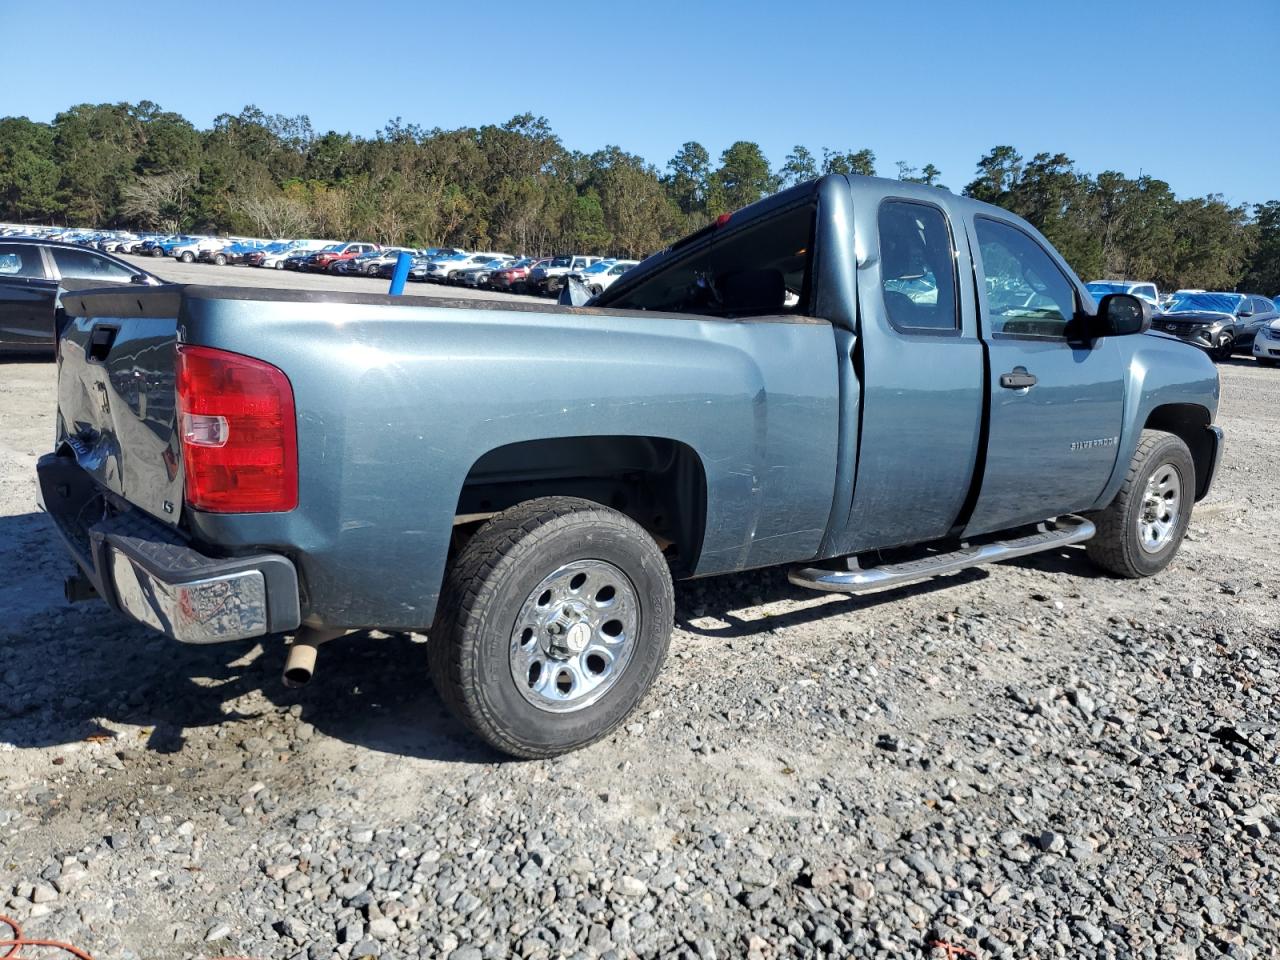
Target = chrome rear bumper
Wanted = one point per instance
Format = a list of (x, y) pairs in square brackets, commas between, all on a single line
[(145, 570)]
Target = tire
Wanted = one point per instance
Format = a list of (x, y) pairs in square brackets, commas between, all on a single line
[(188, 257), (1265, 362), (498, 581), (220, 260), (1118, 547), (595, 289), (1223, 347), (157, 252)]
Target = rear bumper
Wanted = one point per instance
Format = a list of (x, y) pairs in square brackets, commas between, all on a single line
[(145, 570)]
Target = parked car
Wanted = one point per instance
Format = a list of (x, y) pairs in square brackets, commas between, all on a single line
[(552, 475), (1266, 344), (433, 267), (232, 253), (324, 260), (599, 277), (34, 276), (370, 263), (478, 276), (1221, 323), (1139, 288), (188, 252), (449, 269), (512, 276), (547, 279)]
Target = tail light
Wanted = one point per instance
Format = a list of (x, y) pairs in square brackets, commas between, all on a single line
[(239, 435)]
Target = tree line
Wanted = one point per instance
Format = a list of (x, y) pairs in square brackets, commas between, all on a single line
[(515, 186)]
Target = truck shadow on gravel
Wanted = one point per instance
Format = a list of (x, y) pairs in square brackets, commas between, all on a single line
[(75, 672)]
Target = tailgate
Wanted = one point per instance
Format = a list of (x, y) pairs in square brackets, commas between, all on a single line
[(116, 394)]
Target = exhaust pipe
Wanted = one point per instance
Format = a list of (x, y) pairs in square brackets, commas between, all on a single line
[(78, 587), (300, 663)]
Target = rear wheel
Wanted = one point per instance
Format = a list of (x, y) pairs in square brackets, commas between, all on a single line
[(1140, 532), (553, 624), (188, 257), (157, 252)]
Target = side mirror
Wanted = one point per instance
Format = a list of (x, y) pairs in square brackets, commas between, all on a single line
[(1244, 314), (1120, 314), (141, 278)]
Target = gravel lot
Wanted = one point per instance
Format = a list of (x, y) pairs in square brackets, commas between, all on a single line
[(1028, 760)]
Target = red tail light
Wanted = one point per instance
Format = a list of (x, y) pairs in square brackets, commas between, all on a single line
[(239, 435)]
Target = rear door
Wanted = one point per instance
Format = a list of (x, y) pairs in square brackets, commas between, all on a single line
[(918, 358), (28, 299), (1055, 407)]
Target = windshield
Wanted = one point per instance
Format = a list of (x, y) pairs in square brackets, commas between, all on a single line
[(759, 268), (561, 262), (1204, 302)]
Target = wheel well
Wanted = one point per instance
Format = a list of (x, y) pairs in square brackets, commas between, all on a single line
[(658, 482), (1187, 421)]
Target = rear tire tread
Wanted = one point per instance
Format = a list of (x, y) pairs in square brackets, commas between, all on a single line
[(470, 585)]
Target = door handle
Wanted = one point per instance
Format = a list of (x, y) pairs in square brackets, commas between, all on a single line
[(1018, 379)]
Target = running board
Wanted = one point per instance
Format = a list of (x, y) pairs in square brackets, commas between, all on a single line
[(1052, 533)]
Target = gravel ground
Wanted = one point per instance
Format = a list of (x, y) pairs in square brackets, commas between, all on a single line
[(1028, 760)]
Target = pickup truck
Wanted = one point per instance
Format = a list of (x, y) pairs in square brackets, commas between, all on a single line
[(523, 481)]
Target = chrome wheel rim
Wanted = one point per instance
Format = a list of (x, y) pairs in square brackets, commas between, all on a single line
[(1158, 517), (574, 636)]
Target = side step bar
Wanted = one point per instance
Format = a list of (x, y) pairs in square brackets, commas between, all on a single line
[(1052, 533)]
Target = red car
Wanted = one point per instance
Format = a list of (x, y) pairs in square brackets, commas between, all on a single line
[(323, 261), (513, 278)]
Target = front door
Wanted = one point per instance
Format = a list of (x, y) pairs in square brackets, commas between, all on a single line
[(1055, 406)]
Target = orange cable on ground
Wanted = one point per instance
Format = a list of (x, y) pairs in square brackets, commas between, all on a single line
[(11, 947)]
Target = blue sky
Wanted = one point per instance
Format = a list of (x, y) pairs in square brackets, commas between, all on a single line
[(1185, 91)]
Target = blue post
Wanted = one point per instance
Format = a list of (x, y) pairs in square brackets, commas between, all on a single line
[(403, 262)]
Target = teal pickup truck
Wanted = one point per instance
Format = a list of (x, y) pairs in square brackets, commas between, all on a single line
[(868, 381)]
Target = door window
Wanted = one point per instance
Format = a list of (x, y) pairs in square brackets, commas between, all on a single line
[(20, 260), (917, 266), (83, 265), (1027, 295)]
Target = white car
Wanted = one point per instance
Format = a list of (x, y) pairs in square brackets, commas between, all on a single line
[(1138, 288), (1266, 344), (599, 277), (276, 258), (450, 271), (188, 252)]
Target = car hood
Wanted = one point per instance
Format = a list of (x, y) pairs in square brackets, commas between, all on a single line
[(1198, 317)]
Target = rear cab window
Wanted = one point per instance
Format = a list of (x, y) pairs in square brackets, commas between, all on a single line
[(762, 267), (917, 267)]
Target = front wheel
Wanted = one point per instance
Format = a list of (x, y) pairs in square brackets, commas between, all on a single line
[(188, 258), (553, 624), (220, 260), (1140, 532), (1223, 347)]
